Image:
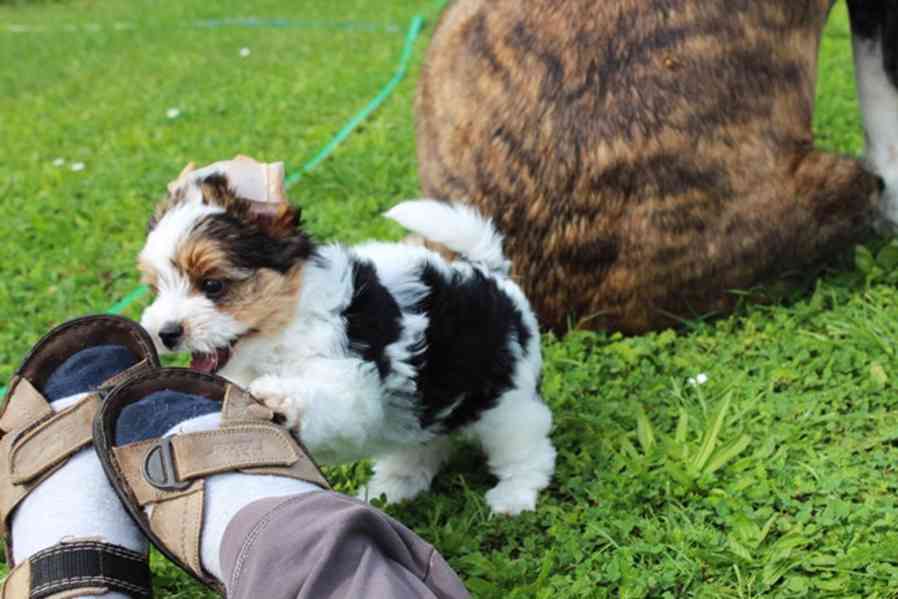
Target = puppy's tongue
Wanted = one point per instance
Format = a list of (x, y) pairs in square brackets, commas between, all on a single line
[(210, 362)]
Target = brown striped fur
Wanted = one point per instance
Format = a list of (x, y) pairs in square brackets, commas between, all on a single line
[(643, 158)]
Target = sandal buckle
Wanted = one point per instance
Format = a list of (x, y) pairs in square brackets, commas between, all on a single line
[(159, 467)]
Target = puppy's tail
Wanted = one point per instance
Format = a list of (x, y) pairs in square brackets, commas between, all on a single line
[(459, 227)]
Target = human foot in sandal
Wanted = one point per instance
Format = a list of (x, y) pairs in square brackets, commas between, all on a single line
[(186, 451), (235, 500), (67, 533)]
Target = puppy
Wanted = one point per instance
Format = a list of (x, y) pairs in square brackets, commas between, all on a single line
[(381, 350)]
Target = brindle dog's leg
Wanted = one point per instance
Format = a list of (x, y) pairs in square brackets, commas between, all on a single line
[(874, 25)]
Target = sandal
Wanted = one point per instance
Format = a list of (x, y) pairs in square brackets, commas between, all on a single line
[(161, 479), (36, 441)]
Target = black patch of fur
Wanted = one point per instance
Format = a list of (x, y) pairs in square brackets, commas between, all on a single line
[(249, 247), (219, 182), (877, 20), (467, 347), (890, 43), (866, 17), (372, 317)]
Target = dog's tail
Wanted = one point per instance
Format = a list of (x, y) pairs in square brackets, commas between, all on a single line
[(459, 227)]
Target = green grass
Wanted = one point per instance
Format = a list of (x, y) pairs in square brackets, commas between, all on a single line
[(776, 478)]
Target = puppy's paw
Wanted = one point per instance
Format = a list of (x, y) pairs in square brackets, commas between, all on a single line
[(275, 393), (510, 499), (395, 488)]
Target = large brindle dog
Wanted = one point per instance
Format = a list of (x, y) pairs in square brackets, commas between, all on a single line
[(645, 158)]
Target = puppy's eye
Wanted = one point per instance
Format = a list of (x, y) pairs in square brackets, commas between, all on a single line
[(212, 288)]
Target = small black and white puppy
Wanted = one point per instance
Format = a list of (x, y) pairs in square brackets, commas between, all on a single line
[(381, 350)]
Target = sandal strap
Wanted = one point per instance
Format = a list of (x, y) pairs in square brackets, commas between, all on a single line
[(17, 584), (52, 441), (144, 365), (163, 469), (30, 406), (226, 449), (29, 456), (35, 441), (79, 567), (169, 474), (29, 409)]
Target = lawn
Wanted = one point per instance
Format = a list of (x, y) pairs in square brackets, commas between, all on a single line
[(752, 456)]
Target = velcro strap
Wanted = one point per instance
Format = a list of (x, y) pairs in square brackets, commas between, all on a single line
[(232, 448), (164, 469), (89, 565), (24, 406), (53, 441)]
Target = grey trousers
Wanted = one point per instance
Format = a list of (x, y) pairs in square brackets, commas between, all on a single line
[(322, 545)]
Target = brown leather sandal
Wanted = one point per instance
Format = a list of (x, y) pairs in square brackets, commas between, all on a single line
[(35, 441), (167, 474)]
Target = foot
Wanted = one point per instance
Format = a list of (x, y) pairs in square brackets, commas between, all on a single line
[(68, 528), (395, 488), (405, 474), (510, 498), (515, 437), (209, 448)]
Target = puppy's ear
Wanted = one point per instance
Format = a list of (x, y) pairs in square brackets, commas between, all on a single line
[(172, 186), (217, 190), (279, 220)]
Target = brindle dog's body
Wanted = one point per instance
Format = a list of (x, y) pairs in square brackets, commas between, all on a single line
[(644, 158)]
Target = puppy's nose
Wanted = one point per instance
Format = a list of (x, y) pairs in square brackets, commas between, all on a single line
[(171, 333)]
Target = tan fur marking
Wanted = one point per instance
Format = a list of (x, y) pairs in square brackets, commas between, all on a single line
[(267, 301), (264, 300), (202, 258)]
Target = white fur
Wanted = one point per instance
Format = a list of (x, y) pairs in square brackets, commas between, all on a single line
[(338, 403), (879, 105), (457, 226), (406, 472)]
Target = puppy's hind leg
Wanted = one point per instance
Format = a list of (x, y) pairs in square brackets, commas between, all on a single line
[(515, 437), (405, 473)]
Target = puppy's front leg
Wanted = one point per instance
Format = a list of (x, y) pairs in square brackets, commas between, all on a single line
[(335, 406), (283, 395)]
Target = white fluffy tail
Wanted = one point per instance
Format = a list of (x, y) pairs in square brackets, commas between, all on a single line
[(460, 228)]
